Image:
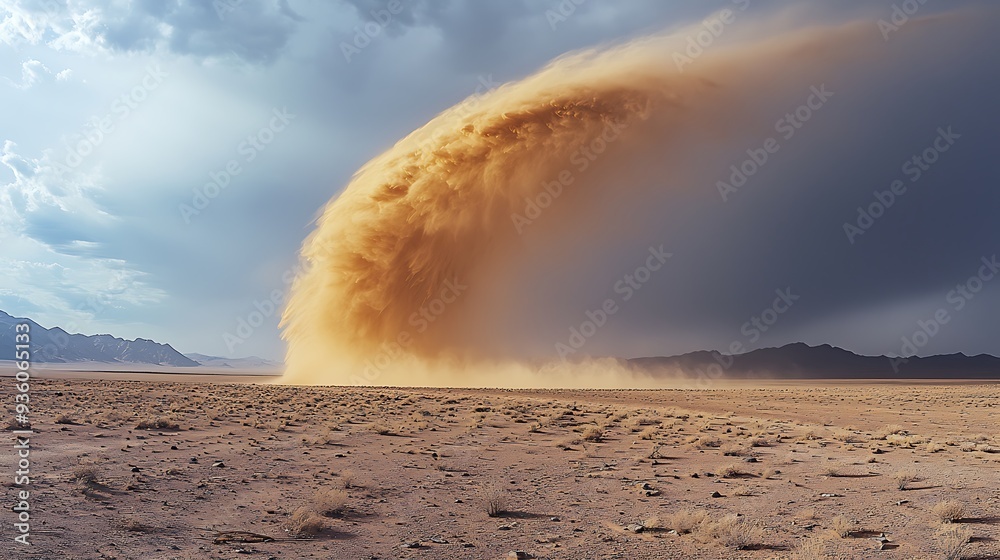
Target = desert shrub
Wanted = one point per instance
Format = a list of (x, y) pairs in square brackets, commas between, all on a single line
[(731, 531), (305, 522), (159, 423), (734, 470), (87, 475), (592, 433), (330, 503), (948, 511), (495, 500), (810, 549), (952, 540), (841, 526), (904, 478)]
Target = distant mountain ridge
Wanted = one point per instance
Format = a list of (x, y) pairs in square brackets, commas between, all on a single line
[(250, 362), (58, 346), (801, 361)]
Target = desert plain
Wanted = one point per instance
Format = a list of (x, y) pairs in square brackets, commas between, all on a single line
[(162, 466)]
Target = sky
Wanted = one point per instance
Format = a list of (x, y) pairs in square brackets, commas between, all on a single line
[(163, 162)]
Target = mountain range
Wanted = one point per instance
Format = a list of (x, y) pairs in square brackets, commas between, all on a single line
[(792, 361), (801, 361), (55, 345)]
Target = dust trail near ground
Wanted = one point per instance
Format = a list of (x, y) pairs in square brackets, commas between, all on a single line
[(424, 271)]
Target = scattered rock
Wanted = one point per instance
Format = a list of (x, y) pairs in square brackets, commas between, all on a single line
[(219, 464), (634, 528), (519, 555), (716, 494)]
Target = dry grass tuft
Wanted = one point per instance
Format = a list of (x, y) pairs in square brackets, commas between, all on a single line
[(305, 523), (495, 498), (732, 531), (330, 503), (592, 434), (904, 478), (734, 470), (159, 423), (841, 526), (87, 475), (948, 511), (953, 540)]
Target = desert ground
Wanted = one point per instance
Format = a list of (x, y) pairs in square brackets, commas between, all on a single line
[(197, 467)]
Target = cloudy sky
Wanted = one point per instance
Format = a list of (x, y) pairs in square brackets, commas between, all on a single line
[(163, 161)]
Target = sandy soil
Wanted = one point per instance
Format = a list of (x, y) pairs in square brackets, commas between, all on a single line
[(346, 473)]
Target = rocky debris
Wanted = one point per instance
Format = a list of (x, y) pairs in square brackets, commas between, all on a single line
[(716, 494), (647, 489), (519, 555), (635, 528)]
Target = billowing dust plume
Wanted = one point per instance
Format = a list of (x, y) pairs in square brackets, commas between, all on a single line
[(436, 264)]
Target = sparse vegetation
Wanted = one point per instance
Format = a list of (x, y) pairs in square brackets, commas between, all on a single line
[(159, 423), (330, 503), (495, 499), (948, 511), (953, 540), (592, 434), (305, 522), (904, 478), (732, 531), (841, 526)]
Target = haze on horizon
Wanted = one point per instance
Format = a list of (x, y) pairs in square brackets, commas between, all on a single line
[(267, 103)]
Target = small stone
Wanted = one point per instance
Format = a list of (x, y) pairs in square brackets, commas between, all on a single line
[(634, 528), (716, 494), (219, 464), (519, 555)]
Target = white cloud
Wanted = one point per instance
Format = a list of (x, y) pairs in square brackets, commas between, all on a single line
[(251, 30), (50, 265)]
